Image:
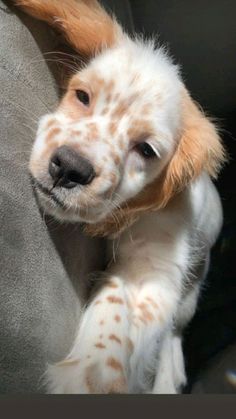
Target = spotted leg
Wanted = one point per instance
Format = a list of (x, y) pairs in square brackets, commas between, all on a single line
[(98, 361), (151, 333)]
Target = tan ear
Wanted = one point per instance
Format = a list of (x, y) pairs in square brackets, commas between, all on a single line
[(199, 149), (87, 27)]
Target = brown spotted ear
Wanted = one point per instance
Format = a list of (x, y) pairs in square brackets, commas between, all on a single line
[(87, 27), (199, 149)]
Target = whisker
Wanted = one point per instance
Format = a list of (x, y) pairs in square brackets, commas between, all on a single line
[(28, 113)]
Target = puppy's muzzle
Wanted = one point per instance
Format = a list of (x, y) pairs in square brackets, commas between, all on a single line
[(69, 169)]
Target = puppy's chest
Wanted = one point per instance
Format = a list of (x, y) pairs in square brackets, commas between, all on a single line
[(145, 249)]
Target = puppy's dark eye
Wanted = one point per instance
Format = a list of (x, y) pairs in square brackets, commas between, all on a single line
[(145, 150), (83, 97)]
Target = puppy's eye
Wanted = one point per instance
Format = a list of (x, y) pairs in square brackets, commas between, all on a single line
[(145, 150), (83, 97)]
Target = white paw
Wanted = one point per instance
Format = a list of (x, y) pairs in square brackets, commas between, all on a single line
[(75, 376)]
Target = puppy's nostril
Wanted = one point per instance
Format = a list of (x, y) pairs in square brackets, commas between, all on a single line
[(74, 176), (56, 161), (68, 169), (54, 170)]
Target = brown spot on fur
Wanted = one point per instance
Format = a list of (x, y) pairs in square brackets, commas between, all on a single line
[(142, 306), (120, 110), (93, 131), (152, 302), (112, 128), (115, 300), (116, 158), (52, 133), (98, 83), (123, 106), (143, 320), (130, 345), (122, 142), (102, 322), (117, 318), (140, 129), (105, 111), (100, 345), (114, 364), (115, 338), (76, 132), (108, 88), (116, 97), (118, 386), (108, 97), (97, 302), (113, 178), (146, 315), (112, 285), (89, 374), (50, 123), (146, 110)]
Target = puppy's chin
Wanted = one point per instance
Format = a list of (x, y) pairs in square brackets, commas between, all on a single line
[(58, 209)]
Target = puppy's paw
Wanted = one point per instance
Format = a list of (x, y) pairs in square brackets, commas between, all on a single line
[(76, 376)]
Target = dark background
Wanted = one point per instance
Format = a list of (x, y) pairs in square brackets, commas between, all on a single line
[(201, 36)]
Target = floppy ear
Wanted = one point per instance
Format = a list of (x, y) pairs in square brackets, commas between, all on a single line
[(87, 27), (199, 149)]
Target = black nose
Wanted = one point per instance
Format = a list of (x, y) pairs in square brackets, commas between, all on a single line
[(68, 169)]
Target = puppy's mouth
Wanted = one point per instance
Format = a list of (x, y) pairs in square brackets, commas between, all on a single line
[(47, 193), (60, 209)]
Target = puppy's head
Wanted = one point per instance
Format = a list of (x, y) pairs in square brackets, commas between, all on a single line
[(125, 138)]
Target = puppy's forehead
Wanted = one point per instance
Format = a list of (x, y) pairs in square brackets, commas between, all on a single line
[(119, 100), (113, 87), (130, 85), (137, 67)]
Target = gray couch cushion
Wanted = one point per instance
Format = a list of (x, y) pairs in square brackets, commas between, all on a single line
[(43, 266)]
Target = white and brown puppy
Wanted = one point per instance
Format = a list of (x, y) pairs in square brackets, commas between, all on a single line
[(130, 155)]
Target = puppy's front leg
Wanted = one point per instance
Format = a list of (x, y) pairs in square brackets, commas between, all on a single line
[(151, 333), (98, 362), (165, 382)]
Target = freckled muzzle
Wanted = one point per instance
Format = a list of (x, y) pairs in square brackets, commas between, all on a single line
[(69, 169)]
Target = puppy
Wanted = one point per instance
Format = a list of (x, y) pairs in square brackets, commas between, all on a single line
[(130, 155)]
